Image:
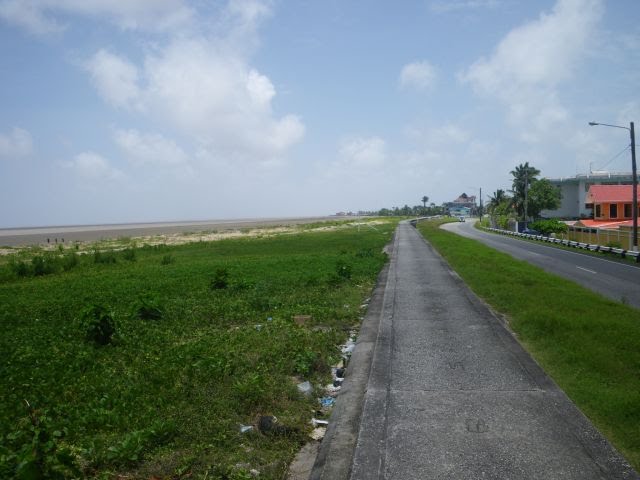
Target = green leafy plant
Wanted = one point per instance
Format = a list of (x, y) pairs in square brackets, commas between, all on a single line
[(343, 269), (98, 324), (149, 307), (167, 259), (220, 279), (36, 450), (129, 254), (549, 226), (104, 257)]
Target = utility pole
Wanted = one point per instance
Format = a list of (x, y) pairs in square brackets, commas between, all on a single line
[(634, 199), (481, 211), (634, 177), (526, 193)]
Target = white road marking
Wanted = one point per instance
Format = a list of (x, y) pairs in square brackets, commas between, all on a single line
[(586, 269)]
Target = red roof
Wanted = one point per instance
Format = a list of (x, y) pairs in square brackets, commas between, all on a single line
[(609, 194), (589, 223)]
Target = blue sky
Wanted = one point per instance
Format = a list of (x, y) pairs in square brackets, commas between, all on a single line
[(152, 110)]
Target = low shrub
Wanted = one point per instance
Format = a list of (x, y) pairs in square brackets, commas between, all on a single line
[(98, 324), (149, 307)]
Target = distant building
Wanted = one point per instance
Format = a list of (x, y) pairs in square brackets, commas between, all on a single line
[(574, 192), (463, 206)]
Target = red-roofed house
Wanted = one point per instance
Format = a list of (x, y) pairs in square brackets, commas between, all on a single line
[(610, 203)]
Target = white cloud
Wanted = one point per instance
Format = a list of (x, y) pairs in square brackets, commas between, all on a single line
[(16, 143), (208, 93), (363, 152), (38, 16), (418, 75), (446, 6), (28, 15), (533, 60), (150, 148), (115, 78), (92, 166)]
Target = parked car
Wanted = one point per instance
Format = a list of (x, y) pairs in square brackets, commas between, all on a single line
[(530, 231)]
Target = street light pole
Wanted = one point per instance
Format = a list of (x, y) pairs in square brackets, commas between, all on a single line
[(634, 177)]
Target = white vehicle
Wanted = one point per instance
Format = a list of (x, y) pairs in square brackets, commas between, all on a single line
[(461, 219)]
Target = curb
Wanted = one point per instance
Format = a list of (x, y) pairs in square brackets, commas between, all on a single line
[(335, 455)]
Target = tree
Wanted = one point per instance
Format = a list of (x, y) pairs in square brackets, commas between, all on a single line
[(524, 176), (543, 195), (498, 197), (425, 199)]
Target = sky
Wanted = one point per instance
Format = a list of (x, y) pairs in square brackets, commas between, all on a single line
[(169, 110)]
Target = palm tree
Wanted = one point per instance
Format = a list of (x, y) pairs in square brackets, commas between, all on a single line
[(523, 176), (425, 199), (499, 200)]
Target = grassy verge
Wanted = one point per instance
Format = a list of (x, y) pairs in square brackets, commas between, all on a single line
[(588, 344), (146, 361)]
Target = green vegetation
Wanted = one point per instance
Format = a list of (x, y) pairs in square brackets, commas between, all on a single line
[(146, 361), (588, 344), (549, 226)]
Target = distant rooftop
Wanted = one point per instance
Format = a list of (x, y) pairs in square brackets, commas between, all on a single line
[(596, 175)]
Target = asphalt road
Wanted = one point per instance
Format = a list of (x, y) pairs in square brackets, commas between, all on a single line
[(450, 393), (617, 281)]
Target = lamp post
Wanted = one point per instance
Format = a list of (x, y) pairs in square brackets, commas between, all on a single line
[(634, 176)]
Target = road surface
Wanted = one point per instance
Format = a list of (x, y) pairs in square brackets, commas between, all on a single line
[(615, 280), (450, 394)]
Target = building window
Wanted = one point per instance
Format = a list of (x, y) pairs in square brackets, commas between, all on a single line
[(627, 210), (598, 212), (613, 210)]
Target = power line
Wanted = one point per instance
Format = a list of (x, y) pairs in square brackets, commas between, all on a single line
[(615, 156)]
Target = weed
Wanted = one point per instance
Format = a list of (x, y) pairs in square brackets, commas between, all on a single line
[(104, 257), (343, 269), (220, 279), (149, 307), (37, 450), (98, 324), (167, 259), (129, 254)]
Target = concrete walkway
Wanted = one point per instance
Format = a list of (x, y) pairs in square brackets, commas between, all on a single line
[(439, 389)]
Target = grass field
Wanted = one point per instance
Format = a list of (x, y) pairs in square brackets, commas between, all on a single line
[(145, 362), (588, 344)]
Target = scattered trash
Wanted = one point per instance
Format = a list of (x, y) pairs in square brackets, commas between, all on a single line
[(318, 433), (315, 422), (269, 319), (245, 428), (327, 401), (331, 388), (348, 347), (268, 424), (254, 472), (258, 327), (339, 373), (305, 387), (337, 382)]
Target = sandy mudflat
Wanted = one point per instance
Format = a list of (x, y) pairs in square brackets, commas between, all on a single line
[(13, 237)]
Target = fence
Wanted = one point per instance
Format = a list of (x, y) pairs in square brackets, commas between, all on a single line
[(620, 237)]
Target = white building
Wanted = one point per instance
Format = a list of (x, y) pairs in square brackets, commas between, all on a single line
[(574, 190)]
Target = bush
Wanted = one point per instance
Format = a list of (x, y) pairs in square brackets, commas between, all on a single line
[(104, 257), (549, 226), (19, 267), (98, 324), (69, 261), (149, 308), (220, 279), (343, 270), (167, 259), (43, 265), (129, 254)]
